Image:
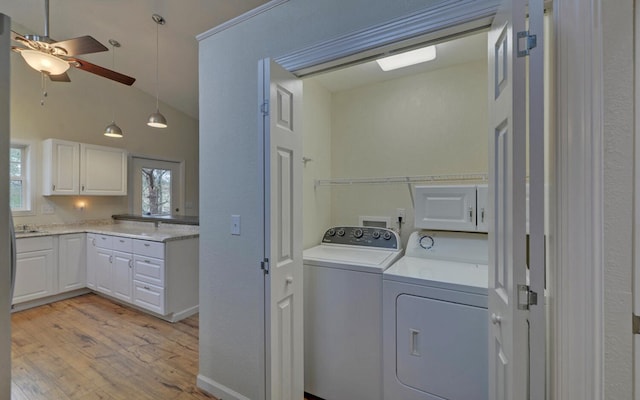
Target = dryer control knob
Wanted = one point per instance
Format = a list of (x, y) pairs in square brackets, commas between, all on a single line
[(340, 232), (357, 233), (387, 235), (331, 232), (376, 234)]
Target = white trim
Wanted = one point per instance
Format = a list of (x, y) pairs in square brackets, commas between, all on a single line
[(577, 281), (218, 390), (636, 205), (239, 19), (431, 24), (29, 176)]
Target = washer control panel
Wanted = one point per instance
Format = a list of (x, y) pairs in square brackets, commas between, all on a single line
[(362, 236)]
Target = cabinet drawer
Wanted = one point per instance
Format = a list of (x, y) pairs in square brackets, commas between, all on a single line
[(104, 241), (123, 244), (147, 269), (34, 244), (148, 296), (149, 249)]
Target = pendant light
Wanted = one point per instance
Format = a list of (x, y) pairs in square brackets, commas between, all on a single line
[(157, 120), (113, 130)]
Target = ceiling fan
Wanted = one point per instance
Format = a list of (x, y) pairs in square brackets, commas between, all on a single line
[(54, 58)]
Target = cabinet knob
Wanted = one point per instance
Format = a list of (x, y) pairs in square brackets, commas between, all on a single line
[(83, 188), (289, 280), (482, 215), (470, 214), (496, 319)]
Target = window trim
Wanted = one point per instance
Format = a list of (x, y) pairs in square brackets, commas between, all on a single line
[(28, 177), (181, 174)]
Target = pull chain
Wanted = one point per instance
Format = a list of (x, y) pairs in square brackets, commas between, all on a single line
[(43, 86)]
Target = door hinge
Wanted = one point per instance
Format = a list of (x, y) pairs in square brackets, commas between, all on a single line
[(264, 108), (531, 42), (526, 297), (635, 324), (264, 265)]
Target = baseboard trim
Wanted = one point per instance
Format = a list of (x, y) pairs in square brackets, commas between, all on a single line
[(49, 299), (175, 317), (216, 389)]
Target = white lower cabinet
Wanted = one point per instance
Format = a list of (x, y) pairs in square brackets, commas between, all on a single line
[(36, 269), (122, 274), (155, 276), (72, 273)]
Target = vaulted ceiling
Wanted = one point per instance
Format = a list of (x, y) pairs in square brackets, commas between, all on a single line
[(130, 23)]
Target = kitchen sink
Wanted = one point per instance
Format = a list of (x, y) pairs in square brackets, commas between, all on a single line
[(24, 231)]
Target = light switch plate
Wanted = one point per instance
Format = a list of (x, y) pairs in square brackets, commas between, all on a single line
[(235, 225)]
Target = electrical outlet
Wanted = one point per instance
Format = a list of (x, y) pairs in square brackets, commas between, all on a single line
[(400, 212)]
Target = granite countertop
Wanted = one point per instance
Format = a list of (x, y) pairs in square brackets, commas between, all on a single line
[(170, 219), (134, 230)]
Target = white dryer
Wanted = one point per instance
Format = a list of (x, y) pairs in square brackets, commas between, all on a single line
[(343, 312), (435, 335)]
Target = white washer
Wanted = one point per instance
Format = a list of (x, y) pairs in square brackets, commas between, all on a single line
[(435, 335), (343, 312)]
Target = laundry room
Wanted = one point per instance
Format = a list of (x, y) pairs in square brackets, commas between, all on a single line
[(363, 125)]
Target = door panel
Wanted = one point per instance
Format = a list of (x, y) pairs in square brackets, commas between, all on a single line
[(508, 342), (282, 94)]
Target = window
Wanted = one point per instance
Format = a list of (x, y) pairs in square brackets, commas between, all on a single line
[(155, 186), (156, 191), (19, 185)]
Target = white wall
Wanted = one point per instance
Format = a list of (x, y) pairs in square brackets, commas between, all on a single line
[(231, 283), (79, 111), (317, 147), (618, 83), (427, 124)]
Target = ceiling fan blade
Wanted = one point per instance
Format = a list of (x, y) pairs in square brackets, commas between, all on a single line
[(104, 72), (18, 49), (81, 45), (64, 77)]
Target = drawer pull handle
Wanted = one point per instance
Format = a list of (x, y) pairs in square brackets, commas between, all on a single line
[(147, 245), (121, 241), (147, 287), (147, 261)]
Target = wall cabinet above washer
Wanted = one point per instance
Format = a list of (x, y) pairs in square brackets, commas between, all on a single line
[(71, 168), (452, 208)]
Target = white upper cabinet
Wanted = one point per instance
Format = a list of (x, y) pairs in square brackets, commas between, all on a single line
[(451, 208), (61, 162), (71, 168)]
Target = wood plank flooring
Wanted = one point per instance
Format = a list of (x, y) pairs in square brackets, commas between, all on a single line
[(89, 348)]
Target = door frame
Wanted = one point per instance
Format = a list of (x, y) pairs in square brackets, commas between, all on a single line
[(577, 175)]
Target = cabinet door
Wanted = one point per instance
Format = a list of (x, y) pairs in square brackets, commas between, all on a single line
[(61, 166), (72, 258), (103, 170), (35, 275), (104, 267), (92, 260), (122, 275), (483, 208), (446, 207)]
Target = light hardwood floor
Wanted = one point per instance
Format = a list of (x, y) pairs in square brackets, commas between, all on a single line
[(91, 348)]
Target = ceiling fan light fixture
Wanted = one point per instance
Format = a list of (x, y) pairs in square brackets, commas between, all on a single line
[(157, 120), (44, 62), (113, 130)]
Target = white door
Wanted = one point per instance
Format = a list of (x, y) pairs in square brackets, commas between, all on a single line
[(103, 270), (122, 275), (72, 261), (508, 337), (446, 207), (282, 115)]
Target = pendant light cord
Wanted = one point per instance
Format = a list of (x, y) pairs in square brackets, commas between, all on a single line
[(113, 66), (157, 63)]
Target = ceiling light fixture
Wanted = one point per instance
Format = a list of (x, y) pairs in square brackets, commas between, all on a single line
[(44, 62), (157, 120), (113, 130), (407, 58)]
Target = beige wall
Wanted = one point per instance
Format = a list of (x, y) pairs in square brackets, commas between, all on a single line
[(79, 111), (317, 147), (430, 123)]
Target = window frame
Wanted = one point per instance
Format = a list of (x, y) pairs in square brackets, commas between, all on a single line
[(27, 177), (177, 201)]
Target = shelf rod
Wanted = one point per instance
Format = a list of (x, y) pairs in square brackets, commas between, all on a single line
[(402, 179)]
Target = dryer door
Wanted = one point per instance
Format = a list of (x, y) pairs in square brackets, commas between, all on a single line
[(441, 347)]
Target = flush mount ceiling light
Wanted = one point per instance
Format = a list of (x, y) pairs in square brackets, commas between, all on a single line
[(407, 58), (44, 62), (157, 120), (113, 130)]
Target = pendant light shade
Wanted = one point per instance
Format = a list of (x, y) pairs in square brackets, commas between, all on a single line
[(157, 120), (113, 130)]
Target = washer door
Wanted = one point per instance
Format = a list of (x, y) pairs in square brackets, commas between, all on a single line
[(441, 347)]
